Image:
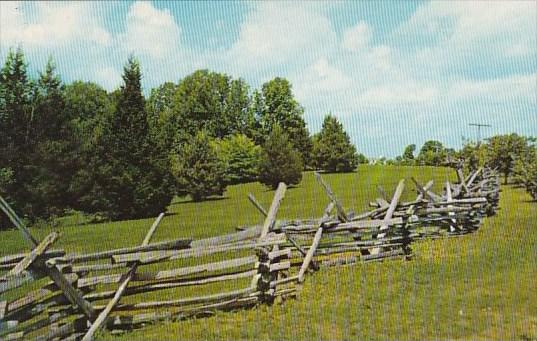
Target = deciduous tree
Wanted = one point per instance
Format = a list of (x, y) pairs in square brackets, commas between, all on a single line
[(432, 153), (503, 150), (276, 104)]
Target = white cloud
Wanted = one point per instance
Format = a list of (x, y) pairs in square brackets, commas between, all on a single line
[(319, 80), (151, 31), (506, 89), (409, 92), (50, 24), (278, 33), (108, 77), (470, 34), (357, 38)]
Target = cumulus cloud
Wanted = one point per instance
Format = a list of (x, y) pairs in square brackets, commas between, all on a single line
[(276, 34), (409, 92), (321, 76), (503, 89), (51, 24), (465, 37), (357, 37), (151, 31)]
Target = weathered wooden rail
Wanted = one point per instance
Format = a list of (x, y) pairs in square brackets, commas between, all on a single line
[(48, 294)]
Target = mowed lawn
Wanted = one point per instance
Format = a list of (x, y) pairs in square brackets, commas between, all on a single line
[(476, 287)]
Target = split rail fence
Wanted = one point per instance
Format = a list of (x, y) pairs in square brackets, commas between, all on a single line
[(59, 296)]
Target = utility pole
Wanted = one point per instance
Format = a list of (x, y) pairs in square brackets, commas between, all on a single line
[(479, 125)]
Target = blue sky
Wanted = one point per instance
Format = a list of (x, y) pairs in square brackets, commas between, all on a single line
[(393, 72)]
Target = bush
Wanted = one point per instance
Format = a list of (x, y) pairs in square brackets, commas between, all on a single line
[(241, 157), (279, 161), (197, 169)]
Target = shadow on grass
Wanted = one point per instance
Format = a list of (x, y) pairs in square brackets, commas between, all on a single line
[(289, 187), (190, 201), (334, 172)]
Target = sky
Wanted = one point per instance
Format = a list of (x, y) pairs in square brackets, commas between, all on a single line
[(393, 72)]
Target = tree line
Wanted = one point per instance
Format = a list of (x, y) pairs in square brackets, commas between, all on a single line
[(513, 155), (120, 155)]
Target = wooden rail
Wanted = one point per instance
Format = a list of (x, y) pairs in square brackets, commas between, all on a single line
[(274, 260)]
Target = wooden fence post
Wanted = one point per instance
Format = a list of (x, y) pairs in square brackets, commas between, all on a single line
[(291, 239), (462, 182), (340, 211), (96, 325), (51, 269), (389, 213), (270, 219), (33, 255), (263, 272), (257, 204), (315, 243), (425, 190), (450, 199)]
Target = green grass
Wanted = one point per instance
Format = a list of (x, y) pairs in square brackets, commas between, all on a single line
[(477, 287), (222, 215)]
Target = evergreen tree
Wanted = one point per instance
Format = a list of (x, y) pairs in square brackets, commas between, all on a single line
[(128, 176), (333, 150), (276, 104), (53, 162), (280, 162), (16, 110), (197, 169)]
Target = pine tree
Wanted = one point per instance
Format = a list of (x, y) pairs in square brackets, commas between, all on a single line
[(16, 109), (128, 173), (280, 162), (197, 168), (52, 138), (333, 150)]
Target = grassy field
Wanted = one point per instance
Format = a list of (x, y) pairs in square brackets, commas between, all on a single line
[(477, 287)]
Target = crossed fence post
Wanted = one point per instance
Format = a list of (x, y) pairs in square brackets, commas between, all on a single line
[(35, 260)]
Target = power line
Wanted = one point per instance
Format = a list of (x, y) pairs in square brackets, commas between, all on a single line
[(479, 125)]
